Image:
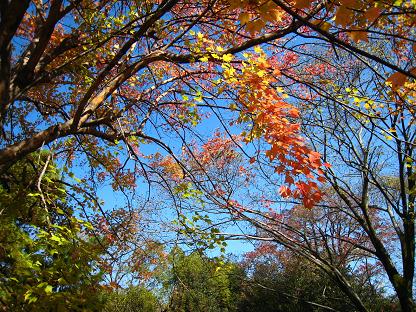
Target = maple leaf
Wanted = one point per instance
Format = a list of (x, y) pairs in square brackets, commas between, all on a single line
[(397, 80), (244, 18), (353, 4), (372, 14), (227, 57), (285, 191), (272, 15), (358, 35), (302, 4), (255, 26), (258, 49), (343, 16), (289, 179)]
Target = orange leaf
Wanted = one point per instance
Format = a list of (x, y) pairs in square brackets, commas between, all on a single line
[(244, 18), (321, 179), (294, 112), (397, 80), (372, 14), (285, 191), (343, 16), (352, 4), (255, 26), (358, 35), (302, 4), (289, 179), (322, 24)]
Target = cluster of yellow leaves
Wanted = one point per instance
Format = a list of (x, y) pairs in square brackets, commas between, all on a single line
[(354, 17), (208, 50), (274, 120)]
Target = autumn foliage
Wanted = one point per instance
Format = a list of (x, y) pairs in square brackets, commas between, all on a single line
[(222, 107)]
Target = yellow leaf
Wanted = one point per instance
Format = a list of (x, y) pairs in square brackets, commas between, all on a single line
[(234, 4), (273, 15), (227, 57), (258, 49), (261, 73), (325, 26)]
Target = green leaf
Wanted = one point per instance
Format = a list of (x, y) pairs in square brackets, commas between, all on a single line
[(48, 289)]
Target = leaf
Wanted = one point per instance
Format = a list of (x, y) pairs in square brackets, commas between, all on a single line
[(30, 297), (33, 194), (258, 49), (289, 180), (325, 26), (49, 289), (255, 26), (358, 35), (397, 80), (285, 191), (272, 16), (227, 57), (244, 18), (343, 16), (352, 4), (302, 4), (372, 14)]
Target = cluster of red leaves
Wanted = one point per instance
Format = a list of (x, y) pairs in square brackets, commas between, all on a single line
[(274, 120)]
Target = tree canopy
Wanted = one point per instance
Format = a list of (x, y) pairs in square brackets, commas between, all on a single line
[(292, 118)]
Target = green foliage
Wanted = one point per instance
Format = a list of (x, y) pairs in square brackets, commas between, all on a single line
[(197, 283), (133, 299), (297, 286), (47, 260)]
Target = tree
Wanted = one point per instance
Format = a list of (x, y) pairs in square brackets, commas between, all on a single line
[(377, 193), (352, 105), (282, 281), (47, 259), (133, 299), (112, 85), (197, 283)]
